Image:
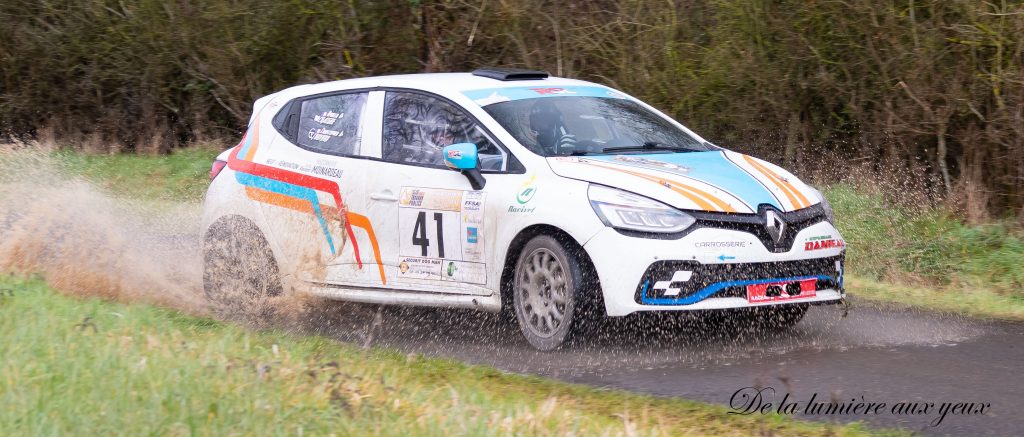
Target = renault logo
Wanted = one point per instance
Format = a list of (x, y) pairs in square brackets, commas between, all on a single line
[(774, 224)]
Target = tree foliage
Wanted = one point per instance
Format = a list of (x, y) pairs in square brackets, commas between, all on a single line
[(929, 88)]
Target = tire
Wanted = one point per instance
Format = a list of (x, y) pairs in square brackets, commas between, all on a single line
[(239, 270), (547, 293)]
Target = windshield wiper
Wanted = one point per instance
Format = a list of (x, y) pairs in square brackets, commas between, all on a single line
[(648, 145)]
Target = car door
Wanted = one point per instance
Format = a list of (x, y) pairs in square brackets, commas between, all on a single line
[(433, 226), (312, 192)]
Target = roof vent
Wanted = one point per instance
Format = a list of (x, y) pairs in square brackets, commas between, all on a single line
[(510, 73)]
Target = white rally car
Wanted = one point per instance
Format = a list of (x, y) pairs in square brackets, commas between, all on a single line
[(508, 188)]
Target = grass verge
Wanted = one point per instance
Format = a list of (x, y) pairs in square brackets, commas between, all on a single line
[(929, 259), (183, 175), (94, 367), (974, 302)]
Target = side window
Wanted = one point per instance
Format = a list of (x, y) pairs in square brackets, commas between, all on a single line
[(331, 124), (417, 126)]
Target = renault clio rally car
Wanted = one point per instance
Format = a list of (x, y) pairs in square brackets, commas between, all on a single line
[(508, 189)]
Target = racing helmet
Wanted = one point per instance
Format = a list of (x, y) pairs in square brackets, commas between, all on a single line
[(546, 120)]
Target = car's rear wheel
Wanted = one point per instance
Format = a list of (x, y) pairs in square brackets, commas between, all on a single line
[(239, 270), (547, 295)]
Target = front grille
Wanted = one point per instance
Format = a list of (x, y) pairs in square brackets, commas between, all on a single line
[(718, 277), (754, 224), (795, 221)]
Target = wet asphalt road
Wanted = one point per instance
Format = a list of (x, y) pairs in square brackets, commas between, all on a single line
[(882, 355)]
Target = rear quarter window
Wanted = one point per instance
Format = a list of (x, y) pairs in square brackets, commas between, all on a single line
[(331, 124)]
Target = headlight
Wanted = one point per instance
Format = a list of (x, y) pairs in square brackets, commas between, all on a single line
[(825, 205), (624, 210)]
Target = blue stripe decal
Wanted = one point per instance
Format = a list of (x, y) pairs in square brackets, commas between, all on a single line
[(496, 95), (712, 168), (706, 292), (291, 190)]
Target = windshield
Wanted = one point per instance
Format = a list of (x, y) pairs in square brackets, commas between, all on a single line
[(579, 125)]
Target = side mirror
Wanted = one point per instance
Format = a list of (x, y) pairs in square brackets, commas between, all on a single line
[(463, 157)]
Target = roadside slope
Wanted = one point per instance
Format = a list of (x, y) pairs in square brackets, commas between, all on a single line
[(74, 366)]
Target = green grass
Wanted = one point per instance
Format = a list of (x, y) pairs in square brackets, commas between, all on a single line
[(976, 302), (929, 258), (183, 175), (91, 367)]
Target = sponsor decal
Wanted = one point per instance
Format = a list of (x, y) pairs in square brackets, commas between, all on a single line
[(468, 272), (779, 291), (454, 154), (548, 91), (412, 197), (446, 226), (489, 96), (328, 117), (493, 98), (521, 209), (430, 198), (323, 135), (719, 244), (526, 195), (832, 243), (526, 191), (472, 201), (326, 171), (287, 164), (724, 258), (420, 267)]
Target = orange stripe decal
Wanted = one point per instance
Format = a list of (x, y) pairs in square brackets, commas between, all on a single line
[(360, 221), (703, 199), (718, 202), (795, 197)]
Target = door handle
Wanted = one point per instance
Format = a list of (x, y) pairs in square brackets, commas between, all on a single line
[(386, 196)]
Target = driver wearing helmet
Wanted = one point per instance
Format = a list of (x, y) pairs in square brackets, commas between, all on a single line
[(548, 129)]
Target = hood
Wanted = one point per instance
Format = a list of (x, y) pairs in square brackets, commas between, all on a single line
[(720, 181)]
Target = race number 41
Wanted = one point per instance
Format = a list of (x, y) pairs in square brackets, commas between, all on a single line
[(430, 234)]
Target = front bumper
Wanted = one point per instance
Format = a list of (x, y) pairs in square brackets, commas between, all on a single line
[(710, 268)]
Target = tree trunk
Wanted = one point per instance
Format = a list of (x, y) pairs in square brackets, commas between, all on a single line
[(940, 156)]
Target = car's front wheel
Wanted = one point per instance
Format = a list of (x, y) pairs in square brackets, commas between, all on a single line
[(547, 293)]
